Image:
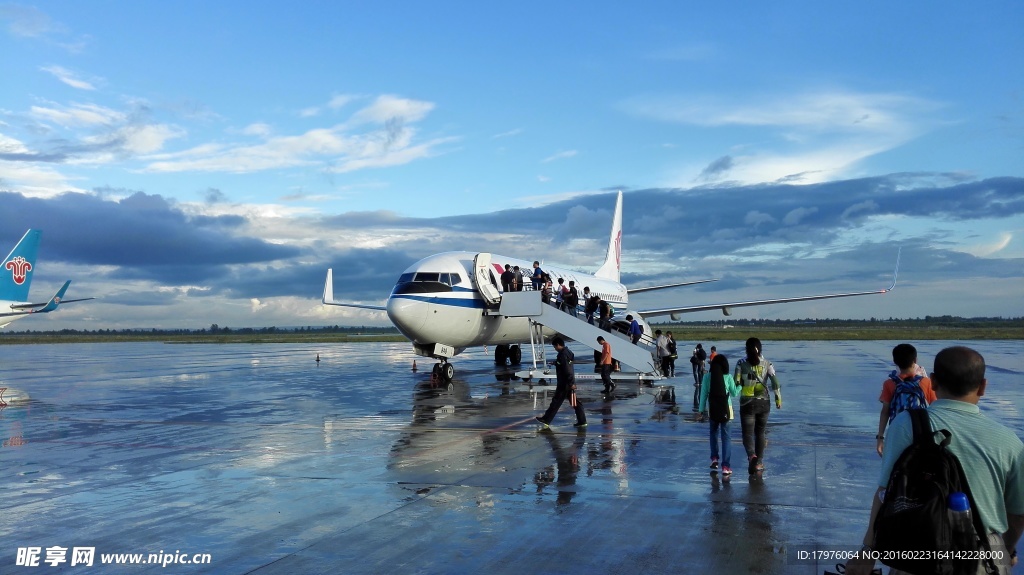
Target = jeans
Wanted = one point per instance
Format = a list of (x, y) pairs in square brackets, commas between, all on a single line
[(754, 420), (606, 376), (721, 429)]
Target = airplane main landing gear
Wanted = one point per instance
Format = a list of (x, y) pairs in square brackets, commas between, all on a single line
[(512, 353), (443, 371)]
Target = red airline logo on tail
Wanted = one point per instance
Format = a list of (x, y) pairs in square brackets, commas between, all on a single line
[(19, 267)]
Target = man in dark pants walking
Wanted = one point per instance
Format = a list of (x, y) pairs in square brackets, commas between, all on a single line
[(566, 387)]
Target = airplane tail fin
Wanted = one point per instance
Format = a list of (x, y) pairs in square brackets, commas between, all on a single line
[(612, 261), (16, 271)]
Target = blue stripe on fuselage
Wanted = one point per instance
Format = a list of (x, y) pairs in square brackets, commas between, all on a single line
[(447, 301)]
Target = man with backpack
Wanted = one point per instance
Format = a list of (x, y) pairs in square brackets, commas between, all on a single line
[(905, 388), (991, 458)]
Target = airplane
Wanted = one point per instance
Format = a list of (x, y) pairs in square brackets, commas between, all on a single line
[(451, 301), (16, 277)]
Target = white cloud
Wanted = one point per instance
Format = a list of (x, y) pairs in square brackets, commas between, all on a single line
[(387, 108), (68, 77), (507, 134), (865, 206), (76, 115), (340, 100), (755, 218), (819, 135), (257, 129), (340, 148), (559, 156), (795, 216), (991, 248)]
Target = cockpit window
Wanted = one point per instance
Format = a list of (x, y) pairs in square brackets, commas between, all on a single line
[(445, 278)]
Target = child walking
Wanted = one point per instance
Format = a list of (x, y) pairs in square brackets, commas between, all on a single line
[(717, 390)]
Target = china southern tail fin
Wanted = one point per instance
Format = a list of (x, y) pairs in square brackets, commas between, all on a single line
[(16, 271), (612, 261)]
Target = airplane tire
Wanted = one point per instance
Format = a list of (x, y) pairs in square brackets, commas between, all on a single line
[(515, 354), (500, 354), (448, 371)]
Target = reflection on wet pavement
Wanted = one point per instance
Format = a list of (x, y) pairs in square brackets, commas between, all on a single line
[(272, 463)]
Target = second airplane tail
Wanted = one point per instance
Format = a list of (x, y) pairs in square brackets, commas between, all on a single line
[(16, 271)]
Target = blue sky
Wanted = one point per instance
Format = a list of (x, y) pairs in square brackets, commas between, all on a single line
[(194, 163)]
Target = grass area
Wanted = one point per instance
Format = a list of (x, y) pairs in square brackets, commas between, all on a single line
[(911, 331)]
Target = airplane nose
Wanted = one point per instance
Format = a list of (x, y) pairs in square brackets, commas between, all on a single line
[(408, 315)]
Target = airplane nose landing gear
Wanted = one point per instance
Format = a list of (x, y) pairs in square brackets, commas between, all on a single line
[(443, 371)]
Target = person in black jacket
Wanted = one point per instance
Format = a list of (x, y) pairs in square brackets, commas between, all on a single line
[(566, 387)]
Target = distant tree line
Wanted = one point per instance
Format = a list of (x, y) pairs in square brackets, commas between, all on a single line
[(215, 329), (926, 321)]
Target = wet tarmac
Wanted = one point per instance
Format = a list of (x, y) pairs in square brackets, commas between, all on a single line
[(273, 464)]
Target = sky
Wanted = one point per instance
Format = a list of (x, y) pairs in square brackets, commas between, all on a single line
[(193, 163)]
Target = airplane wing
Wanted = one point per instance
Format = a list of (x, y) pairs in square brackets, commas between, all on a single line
[(328, 298), (56, 300), (652, 288), (727, 307)]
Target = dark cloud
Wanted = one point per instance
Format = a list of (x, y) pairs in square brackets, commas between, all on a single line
[(143, 235), (716, 169)]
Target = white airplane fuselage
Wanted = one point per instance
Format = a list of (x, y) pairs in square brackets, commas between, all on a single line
[(453, 313)]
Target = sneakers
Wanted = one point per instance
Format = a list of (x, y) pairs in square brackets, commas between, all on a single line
[(579, 425), (751, 466), (542, 422), (726, 471), (714, 463)]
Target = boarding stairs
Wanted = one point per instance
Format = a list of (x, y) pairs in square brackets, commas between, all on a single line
[(528, 304)]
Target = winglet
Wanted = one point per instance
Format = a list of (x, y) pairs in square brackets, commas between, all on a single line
[(897, 270), (55, 300), (329, 287)]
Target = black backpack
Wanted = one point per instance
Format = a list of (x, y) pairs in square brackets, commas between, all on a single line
[(914, 515), (718, 401)]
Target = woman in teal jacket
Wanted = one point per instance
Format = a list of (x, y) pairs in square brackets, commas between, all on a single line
[(716, 392)]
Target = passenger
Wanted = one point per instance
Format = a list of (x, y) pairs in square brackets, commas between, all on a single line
[(538, 277), (661, 343), (560, 291), (672, 354), (714, 352), (566, 387), (591, 301), (545, 293), (915, 391), (991, 454), (508, 277), (697, 362), (518, 276), (606, 364), (717, 390), (634, 330), (753, 375), (572, 300), (605, 311)]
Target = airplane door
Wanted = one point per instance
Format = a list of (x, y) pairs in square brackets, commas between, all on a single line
[(483, 279)]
